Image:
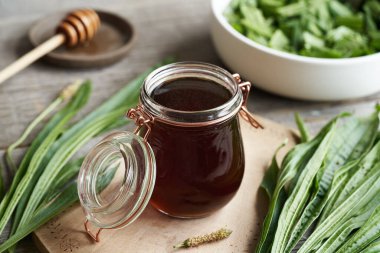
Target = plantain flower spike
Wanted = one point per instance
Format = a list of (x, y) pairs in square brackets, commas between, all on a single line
[(70, 90), (198, 240)]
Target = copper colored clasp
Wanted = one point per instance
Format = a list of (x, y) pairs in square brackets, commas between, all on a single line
[(96, 236), (141, 119), (244, 113)]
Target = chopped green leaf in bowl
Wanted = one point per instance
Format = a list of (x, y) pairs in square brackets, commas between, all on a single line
[(315, 28)]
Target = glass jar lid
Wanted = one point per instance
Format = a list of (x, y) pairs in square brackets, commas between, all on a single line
[(116, 180)]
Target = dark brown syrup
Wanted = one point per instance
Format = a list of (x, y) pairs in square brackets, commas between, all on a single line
[(199, 169), (191, 94)]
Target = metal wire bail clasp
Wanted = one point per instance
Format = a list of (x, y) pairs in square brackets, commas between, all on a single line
[(95, 237), (141, 118), (244, 113)]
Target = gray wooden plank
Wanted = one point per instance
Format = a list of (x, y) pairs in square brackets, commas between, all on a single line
[(282, 110)]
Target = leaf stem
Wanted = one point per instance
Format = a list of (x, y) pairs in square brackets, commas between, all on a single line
[(305, 135)]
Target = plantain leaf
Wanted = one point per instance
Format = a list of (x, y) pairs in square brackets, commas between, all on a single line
[(368, 233), (297, 200), (354, 139), (271, 175), (291, 167), (305, 135), (362, 196), (18, 189)]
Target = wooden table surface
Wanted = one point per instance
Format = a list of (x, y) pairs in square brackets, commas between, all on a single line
[(177, 28)]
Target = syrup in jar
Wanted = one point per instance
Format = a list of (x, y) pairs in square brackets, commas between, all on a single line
[(199, 169)]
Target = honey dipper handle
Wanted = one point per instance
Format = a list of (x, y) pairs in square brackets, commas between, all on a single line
[(32, 56)]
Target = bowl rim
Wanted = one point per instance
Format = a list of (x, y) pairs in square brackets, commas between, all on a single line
[(218, 14)]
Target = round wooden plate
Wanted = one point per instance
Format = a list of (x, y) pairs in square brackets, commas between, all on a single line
[(111, 43)]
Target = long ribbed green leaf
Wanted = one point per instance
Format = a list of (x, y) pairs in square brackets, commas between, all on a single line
[(319, 137), (66, 94), (20, 189), (297, 200), (368, 233), (339, 180), (374, 247), (292, 165), (28, 130), (351, 180), (342, 233), (68, 173), (304, 132), (61, 157), (363, 195), (57, 118), (353, 139), (126, 96), (271, 175), (64, 198), (356, 179)]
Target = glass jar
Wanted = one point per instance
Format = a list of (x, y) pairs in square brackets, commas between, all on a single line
[(186, 155)]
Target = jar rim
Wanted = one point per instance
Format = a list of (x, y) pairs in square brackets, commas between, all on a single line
[(191, 69)]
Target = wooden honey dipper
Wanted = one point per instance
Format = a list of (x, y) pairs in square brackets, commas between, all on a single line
[(77, 28)]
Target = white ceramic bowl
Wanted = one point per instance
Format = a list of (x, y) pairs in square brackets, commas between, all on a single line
[(293, 75)]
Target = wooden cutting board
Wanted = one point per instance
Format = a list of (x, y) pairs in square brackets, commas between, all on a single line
[(155, 232)]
